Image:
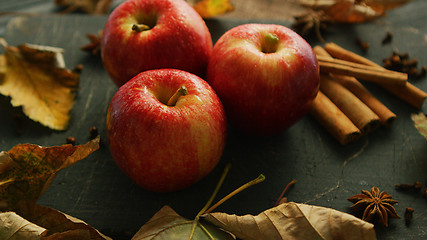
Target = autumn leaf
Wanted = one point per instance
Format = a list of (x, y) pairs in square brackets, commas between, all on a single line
[(62, 226), (295, 221), (13, 226), (420, 122), (212, 8), (2, 68), (27, 170), (46, 222), (86, 6), (167, 224), (35, 78), (353, 11)]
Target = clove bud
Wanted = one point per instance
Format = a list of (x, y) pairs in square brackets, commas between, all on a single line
[(387, 39), (416, 186), (70, 140), (409, 212), (401, 62)]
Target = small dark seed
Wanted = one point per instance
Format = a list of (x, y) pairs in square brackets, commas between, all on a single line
[(410, 62), (395, 59), (78, 68), (93, 132), (418, 185), (363, 45), (413, 71), (71, 140), (409, 212), (388, 37)]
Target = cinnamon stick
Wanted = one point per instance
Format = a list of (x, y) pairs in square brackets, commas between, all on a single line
[(386, 116), (408, 93), (360, 114), (361, 71), (334, 120), (341, 53)]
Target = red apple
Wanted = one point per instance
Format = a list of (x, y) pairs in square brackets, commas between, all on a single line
[(142, 35), (266, 76), (165, 141)]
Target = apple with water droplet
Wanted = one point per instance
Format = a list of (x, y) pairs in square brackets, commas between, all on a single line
[(266, 75), (141, 35), (166, 129)]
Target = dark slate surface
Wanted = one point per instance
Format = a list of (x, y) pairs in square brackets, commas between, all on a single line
[(96, 191)]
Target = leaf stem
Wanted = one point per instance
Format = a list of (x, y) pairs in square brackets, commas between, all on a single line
[(206, 231), (257, 180), (218, 186), (285, 190)]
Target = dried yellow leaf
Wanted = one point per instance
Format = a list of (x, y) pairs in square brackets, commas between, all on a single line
[(212, 8), (2, 68), (420, 123), (36, 78)]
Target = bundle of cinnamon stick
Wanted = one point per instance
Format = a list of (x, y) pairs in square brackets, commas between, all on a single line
[(344, 106)]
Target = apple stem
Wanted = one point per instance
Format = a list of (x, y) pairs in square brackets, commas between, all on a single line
[(182, 91), (270, 43), (140, 27)]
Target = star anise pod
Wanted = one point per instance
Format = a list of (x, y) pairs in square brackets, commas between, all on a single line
[(312, 22), (94, 47), (374, 204)]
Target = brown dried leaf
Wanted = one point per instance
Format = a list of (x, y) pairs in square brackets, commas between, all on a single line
[(420, 122), (27, 170), (47, 224), (35, 78), (212, 8), (295, 221), (2, 68), (87, 6), (353, 11), (62, 226), (13, 226)]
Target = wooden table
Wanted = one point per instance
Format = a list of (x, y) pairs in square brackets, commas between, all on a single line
[(96, 191)]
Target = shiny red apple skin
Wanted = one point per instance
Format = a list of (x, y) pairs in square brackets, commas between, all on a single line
[(263, 93), (179, 39), (166, 148)]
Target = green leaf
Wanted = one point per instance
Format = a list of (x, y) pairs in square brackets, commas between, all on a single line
[(420, 122), (167, 224)]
